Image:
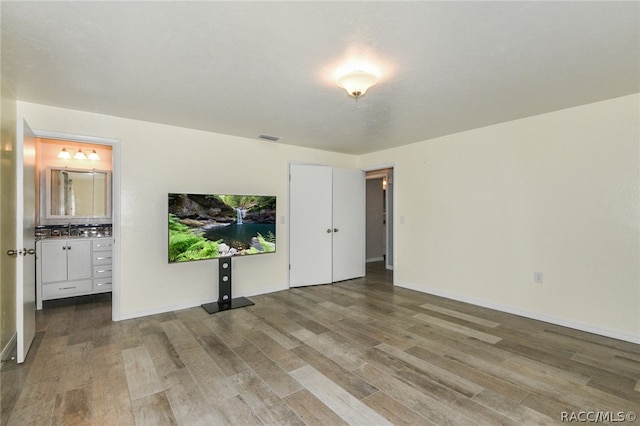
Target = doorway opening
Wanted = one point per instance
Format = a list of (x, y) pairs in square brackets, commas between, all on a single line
[(379, 217), (64, 208)]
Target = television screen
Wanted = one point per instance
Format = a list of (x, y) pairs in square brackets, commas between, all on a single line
[(209, 226)]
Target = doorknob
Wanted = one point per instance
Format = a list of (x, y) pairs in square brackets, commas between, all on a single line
[(335, 229), (31, 251), (328, 230), (12, 252)]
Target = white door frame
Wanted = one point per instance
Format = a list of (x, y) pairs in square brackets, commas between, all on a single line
[(115, 202)]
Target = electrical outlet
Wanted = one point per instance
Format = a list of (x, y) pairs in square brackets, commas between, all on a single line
[(538, 277)]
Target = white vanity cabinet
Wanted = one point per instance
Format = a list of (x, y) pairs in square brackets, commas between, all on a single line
[(68, 267), (65, 260)]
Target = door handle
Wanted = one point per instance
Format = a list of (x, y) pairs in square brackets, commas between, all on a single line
[(329, 231), (13, 252), (335, 229), (31, 251)]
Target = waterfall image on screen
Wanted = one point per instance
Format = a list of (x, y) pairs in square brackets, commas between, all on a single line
[(209, 226)]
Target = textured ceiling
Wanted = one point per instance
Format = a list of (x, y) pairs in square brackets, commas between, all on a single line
[(251, 68)]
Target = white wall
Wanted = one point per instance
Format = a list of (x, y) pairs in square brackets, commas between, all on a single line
[(484, 209), (556, 193), (158, 159)]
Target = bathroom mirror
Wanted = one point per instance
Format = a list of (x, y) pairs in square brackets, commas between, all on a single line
[(76, 193)]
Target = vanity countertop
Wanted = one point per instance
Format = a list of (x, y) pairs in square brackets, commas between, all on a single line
[(73, 231), (73, 237)]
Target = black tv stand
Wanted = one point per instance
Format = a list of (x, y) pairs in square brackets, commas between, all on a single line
[(225, 302)]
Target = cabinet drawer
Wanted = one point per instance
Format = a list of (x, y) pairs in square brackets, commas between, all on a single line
[(102, 258), (101, 244), (66, 289), (102, 284), (102, 271)]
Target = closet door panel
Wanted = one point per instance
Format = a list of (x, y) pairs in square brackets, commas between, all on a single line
[(310, 210), (349, 225)]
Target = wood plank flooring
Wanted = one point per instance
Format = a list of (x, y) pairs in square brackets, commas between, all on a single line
[(359, 352)]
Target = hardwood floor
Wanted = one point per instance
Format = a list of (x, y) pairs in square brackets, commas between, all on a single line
[(358, 352)]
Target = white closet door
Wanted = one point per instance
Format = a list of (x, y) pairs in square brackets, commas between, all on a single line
[(310, 227), (349, 224), (326, 225)]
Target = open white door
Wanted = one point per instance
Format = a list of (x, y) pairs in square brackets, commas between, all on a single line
[(25, 239)]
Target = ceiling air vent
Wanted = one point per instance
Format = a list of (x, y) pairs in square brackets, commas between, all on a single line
[(269, 138)]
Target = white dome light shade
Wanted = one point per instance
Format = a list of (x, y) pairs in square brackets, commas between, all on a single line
[(93, 155), (64, 154), (356, 83), (79, 155)]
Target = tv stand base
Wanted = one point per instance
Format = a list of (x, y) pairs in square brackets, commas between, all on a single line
[(239, 302)]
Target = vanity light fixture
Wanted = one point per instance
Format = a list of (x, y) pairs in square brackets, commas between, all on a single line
[(356, 82), (79, 155), (64, 154)]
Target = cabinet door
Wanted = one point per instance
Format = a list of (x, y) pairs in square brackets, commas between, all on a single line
[(79, 259), (53, 257)]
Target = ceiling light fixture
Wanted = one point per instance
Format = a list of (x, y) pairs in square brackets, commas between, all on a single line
[(357, 82)]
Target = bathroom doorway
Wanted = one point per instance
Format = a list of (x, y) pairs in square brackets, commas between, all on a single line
[(379, 216)]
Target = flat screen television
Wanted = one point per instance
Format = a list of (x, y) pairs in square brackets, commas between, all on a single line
[(209, 226)]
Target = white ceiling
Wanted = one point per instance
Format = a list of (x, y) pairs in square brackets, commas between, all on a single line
[(251, 68)]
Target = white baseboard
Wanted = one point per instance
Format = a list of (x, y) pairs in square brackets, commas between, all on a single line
[(160, 310), (266, 291), (9, 348), (524, 313), (192, 304), (375, 259)]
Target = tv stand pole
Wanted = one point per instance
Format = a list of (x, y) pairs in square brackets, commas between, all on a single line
[(225, 302)]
